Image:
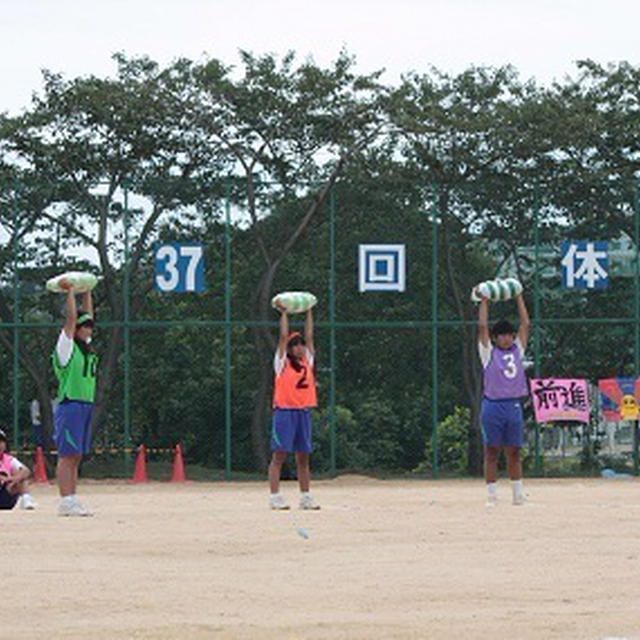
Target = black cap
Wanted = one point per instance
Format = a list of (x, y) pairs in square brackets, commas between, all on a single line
[(502, 327)]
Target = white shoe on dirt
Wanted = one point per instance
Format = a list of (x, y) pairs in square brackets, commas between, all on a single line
[(73, 508), (277, 502), (519, 499), (27, 502), (307, 502), (492, 502)]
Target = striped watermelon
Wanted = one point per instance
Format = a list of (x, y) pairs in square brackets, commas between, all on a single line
[(294, 301), (515, 288), (494, 289), (497, 290)]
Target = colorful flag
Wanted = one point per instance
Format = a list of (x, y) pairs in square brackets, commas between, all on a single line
[(560, 399), (620, 398)]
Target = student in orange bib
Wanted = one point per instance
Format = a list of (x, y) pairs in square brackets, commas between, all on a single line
[(294, 397)]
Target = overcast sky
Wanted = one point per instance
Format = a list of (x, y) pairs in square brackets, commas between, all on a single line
[(541, 38)]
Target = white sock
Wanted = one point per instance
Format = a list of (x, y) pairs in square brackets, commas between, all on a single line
[(492, 489), (304, 494), (70, 498), (517, 488)]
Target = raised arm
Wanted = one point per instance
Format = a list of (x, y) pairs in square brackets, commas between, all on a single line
[(483, 322), (87, 303), (71, 311), (308, 332), (525, 323), (284, 332)]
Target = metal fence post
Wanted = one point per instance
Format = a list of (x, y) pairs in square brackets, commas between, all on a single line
[(332, 328), (227, 331), (126, 335), (536, 313), (636, 312), (16, 320), (434, 330)]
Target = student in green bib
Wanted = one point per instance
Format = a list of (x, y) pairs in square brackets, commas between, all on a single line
[(75, 364)]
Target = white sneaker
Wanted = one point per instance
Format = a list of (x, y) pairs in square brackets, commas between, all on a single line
[(307, 502), (277, 501), (492, 501), (27, 502), (73, 508), (519, 499)]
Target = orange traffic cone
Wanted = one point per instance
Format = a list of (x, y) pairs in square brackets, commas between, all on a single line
[(178, 474), (39, 467), (140, 472)]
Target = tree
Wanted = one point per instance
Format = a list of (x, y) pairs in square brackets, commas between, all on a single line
[(85, 141), (287, 132), (463, 134)]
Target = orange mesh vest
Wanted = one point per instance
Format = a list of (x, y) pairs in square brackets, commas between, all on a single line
[(295, 389)]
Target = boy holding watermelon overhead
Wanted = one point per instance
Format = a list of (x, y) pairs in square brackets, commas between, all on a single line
[(294, 397), (75, 364), (501, 351)]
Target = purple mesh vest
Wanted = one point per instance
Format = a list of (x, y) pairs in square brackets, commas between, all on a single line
[(504, 375)]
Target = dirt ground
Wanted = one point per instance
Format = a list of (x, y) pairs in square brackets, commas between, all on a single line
[(382, 559)]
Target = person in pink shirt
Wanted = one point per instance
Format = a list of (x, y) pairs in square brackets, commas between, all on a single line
[(13, 479)]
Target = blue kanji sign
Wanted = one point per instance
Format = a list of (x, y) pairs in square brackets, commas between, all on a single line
[(585, 264)]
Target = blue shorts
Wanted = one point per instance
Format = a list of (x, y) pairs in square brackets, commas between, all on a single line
[(7, 500), (502, 422), (291, 430), (72, 427)]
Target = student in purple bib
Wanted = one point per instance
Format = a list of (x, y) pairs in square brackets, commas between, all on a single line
[(501, 351)]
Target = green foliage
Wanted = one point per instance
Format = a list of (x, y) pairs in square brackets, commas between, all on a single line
[(373, 437), (589, 455), (453, 444)]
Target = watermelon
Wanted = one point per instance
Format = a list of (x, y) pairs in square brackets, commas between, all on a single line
[(498, 289), (81, 281), (294, 301)]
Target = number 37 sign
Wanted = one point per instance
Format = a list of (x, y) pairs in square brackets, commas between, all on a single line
[(179, 267)]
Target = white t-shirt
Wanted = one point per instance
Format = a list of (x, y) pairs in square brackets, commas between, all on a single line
[(64, 348), (35, 412), (36, 417)]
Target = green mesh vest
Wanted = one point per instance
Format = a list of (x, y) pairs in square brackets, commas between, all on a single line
[(77, 380)]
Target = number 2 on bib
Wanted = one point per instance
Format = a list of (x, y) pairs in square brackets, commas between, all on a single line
[(302, 381)]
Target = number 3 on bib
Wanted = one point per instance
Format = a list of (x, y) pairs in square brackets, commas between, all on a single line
[(511, 369)]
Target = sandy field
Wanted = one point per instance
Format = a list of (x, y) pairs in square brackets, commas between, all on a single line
[(382, 559)]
